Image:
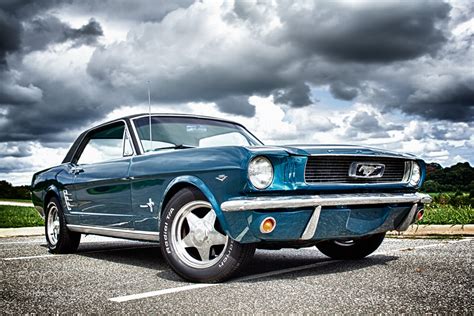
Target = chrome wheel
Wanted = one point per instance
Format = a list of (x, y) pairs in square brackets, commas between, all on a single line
[(344, 243), (197, 236), (53, 224)]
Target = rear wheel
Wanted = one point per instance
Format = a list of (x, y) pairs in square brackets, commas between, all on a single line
[(193, 242), (59, 238), (356, 248)]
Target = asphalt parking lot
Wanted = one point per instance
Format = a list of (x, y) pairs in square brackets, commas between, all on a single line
[(119, 276)]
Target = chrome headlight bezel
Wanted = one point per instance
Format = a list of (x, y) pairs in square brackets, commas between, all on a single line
[(415, 174), (260, 172)]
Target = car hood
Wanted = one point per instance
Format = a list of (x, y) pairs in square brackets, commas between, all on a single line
[(307, 150)]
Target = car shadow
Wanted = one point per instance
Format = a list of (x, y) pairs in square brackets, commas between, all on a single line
[(143, 255), (315, 267), (318, 265), (148, 255)]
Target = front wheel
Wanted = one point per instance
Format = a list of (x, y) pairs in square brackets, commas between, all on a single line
[(59, 238), (357, 248), (193, 242)]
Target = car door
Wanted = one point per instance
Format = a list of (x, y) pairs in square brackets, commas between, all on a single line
[(102, 192)]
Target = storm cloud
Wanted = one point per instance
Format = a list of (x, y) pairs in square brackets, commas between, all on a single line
[(367, 32), (296, 96), (67, 64), (46, 30)]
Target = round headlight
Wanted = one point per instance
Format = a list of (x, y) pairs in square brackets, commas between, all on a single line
[(260, 172), (415, 174)]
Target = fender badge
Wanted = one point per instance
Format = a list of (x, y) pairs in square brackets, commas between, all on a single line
[(221, 177), (150, 205)]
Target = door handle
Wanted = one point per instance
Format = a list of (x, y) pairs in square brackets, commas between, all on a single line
[(76, 170)]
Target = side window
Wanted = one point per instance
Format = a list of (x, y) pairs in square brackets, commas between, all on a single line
[(107, 143)]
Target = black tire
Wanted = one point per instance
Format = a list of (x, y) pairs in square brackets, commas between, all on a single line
[(351, 249), (224, 265), (65, 241)]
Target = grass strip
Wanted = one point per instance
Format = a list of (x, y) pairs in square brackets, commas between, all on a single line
[(19, 216), (437, 214)]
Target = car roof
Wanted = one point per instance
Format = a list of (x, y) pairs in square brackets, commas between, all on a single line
[(134, 116)]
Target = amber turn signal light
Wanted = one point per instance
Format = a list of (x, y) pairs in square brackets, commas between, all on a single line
[(268, 225), (419, 215)]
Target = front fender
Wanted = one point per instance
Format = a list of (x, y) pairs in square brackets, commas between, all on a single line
[(40, 202), (198, 183)]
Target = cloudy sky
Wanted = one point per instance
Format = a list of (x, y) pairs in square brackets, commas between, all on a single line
[(391, 74)]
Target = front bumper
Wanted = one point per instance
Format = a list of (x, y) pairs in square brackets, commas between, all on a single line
[(298, 201), (317, 217)]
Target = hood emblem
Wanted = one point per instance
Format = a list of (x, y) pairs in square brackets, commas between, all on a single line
[(221, 177), (366, 170)]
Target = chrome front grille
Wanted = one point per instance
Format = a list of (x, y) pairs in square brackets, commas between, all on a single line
[(335, 169)]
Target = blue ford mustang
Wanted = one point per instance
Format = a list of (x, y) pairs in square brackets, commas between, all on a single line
[(210, 193)]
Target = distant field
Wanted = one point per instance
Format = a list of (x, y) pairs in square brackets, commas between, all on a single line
[(19, 216)]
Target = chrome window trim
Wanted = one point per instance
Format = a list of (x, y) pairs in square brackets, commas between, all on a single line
[(115, 232), (86, 139)]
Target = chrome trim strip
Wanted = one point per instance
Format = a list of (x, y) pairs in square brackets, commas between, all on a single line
[(310, 229), (364, 155), (407, 172), (272, 202), (114, 232), (409, 219)]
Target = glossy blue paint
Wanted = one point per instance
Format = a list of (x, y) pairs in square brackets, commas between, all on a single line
[(334, 223), (119, 193), (102, 195)]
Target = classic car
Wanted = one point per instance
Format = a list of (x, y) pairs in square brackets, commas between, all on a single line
[(211, 193)]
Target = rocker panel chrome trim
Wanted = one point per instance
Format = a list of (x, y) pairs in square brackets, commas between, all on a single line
[(114, 232)]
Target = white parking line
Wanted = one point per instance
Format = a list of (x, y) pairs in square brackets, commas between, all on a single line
[(22, 242), (132, 297), (31, 257)]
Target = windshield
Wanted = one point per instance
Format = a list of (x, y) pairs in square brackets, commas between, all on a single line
[(186, 132)]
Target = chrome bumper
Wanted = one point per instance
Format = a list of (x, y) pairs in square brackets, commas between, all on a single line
[(274, 202)]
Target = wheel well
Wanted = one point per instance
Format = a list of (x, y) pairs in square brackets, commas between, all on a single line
[(48, 197), (175, 189)]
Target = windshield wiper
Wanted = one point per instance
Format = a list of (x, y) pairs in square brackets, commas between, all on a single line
[(177, 146)]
